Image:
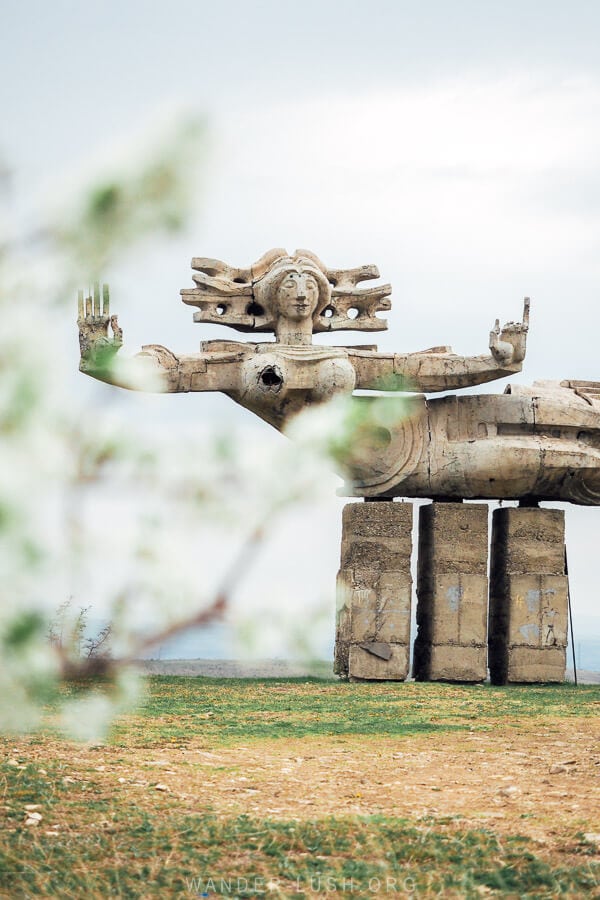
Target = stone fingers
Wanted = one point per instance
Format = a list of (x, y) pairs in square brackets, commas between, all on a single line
[(94, 309), (526, 308)]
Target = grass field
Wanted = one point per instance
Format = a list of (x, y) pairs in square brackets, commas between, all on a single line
[(313, 788)]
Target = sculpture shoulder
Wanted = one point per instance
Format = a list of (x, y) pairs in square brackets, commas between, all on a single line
[(224, 350)]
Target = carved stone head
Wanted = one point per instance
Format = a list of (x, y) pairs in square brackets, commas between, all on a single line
[(295, 287)]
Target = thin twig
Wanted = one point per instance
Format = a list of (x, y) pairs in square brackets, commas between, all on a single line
[(203, 617)]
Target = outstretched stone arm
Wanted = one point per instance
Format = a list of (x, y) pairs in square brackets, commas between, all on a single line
[(439, 369), (154, 369)]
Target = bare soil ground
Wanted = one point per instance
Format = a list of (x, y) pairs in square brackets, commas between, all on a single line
[(538, 779)]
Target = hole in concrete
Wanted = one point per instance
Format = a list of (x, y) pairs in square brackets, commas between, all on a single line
[(239, 281), (352, 312), (221, 309), (255, 309), (271, 378), (328, 312)]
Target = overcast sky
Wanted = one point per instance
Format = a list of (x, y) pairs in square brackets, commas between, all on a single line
[(454, 144)]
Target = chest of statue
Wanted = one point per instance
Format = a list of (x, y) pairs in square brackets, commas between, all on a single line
[(279, 380)]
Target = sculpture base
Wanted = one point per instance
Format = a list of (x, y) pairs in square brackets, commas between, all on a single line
[(452, 590), (374, 590), (528, 596)]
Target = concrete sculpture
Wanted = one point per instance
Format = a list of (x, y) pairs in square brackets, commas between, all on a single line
[(528, 444)]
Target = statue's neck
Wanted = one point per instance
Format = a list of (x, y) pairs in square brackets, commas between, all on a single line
[(298, 333)]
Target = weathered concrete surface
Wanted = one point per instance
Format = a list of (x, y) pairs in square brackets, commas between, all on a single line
[(452, 589), (458, 662), (363, 665), (540, 441), (374, 591), (528, 596)]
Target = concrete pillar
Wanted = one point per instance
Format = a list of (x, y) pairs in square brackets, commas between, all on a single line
[(528, 596), (374, 591), (452, 591)]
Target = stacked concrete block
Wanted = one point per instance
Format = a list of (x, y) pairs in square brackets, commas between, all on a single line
[(528, 596), (452, 592), (374, 592)]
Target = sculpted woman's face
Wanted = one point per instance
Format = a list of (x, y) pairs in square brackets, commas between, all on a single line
[(297, 296)]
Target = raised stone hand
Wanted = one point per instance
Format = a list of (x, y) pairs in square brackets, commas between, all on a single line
[(508, 346), (96, 347)]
